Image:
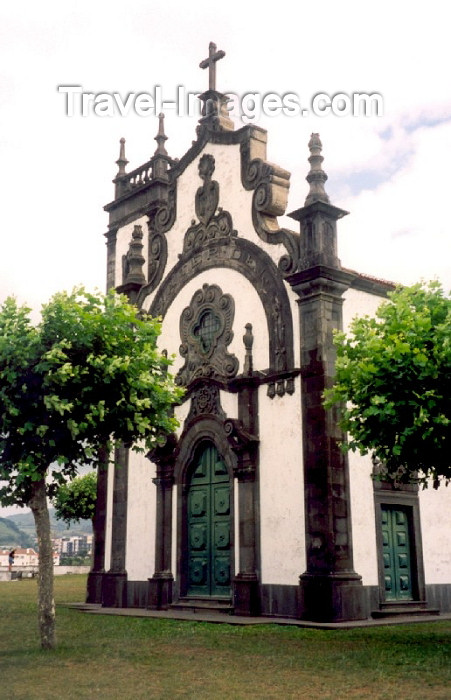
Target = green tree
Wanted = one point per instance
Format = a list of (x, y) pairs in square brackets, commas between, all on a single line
[(76, 500), (88, 377), (393, 385)]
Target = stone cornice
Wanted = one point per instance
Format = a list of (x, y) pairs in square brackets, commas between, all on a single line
[(318, 206)]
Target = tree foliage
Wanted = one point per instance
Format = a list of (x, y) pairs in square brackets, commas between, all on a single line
[(88, 377), (76, 500), (393, 384)]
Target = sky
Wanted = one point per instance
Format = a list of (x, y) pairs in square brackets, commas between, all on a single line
[(390, 171)]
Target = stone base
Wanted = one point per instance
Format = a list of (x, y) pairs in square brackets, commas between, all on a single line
[(114, 590), (94, 587), (332, 597), (246, 597), (160, 591)]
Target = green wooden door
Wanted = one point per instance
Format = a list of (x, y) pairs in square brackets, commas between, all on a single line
[(208, 515), (396, 553)]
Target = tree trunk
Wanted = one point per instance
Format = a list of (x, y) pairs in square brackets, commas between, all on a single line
[(46, 603)]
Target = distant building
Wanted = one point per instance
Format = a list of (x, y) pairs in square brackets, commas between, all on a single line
[(22, 557), (79, 545)]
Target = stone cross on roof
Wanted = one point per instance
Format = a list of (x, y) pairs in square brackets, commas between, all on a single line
[(210, 63)]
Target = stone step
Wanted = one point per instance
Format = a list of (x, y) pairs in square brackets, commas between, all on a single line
[(403, 609), (211, 605)]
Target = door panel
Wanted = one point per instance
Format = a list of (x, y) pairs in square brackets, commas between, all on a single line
[(396, 554), (209, 538)]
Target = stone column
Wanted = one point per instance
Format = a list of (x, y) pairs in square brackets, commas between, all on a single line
[(94, 586), (114, 588), (160, 585)]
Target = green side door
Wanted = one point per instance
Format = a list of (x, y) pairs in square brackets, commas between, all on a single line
[(396, 553), (209, 540)]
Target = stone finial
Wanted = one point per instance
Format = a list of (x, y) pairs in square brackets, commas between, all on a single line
[(248, 340), (161, 137), (122, 160), (160, 159), (316, 177), (134, 260)]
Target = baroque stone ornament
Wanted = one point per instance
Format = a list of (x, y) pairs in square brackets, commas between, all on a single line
[(206, 331), (256, 266), (211, 226), (206, 401), (207, 196)]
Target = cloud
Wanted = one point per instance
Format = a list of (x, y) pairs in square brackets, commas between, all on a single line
[(390, 172)]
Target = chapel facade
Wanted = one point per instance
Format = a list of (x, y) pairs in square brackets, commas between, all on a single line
[(251, 507)]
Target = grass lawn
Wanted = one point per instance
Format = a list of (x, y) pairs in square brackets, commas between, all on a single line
[(124, 657)]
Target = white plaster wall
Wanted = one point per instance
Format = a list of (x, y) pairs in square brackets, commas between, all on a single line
[(123, 238), (357, 303), (109, 517), (181, 413), (229, 403), (435, 514), (363, 518), (141, 512), (281, 488)]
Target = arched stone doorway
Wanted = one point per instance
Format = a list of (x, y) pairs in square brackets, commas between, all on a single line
[(208, 525)]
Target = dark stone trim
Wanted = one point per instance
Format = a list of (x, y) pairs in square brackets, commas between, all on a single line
[(114, 590), (113, 585), (439, 596), (276, 379), (252, 262), (304, 282), (94, 585), (157, 258), (330, 588), (111, 238), (407, 496), (243, 435), (318, 206), (371, 285), (160, 585)]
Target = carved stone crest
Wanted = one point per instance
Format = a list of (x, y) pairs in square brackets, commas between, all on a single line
[(206, 331)]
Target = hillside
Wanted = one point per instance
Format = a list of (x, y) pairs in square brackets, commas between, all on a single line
[(12, 536), (25, 522)]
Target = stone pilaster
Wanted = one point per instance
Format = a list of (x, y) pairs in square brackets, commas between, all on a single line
[(95, 576), (161, 583), (114, 584), (330, 588), (242, 436)]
